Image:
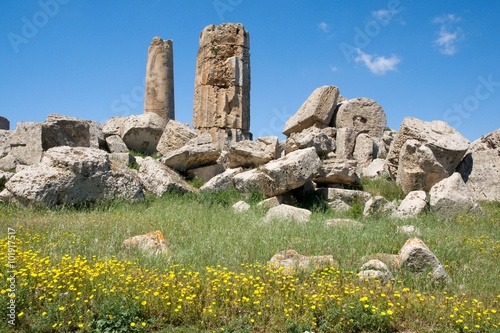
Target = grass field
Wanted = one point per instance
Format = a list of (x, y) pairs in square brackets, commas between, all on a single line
[(73, 274)]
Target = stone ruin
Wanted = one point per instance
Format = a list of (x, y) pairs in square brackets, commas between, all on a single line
[(4, 123), (222, 84), (159, 92), (331, 142)]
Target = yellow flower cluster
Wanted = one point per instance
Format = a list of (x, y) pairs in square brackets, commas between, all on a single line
[(77, 293)]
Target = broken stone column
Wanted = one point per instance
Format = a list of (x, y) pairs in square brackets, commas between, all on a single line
[(159, 94), (4, 123), (222, 84)]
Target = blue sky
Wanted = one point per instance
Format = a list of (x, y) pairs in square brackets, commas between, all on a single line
[(425, 59)]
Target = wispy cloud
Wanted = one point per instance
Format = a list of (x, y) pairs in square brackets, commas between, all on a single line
[(333, 68), (323, 26), (449, 34), (378, 65)]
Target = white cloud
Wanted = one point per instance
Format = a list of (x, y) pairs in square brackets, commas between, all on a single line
[(333, 68), (323, 26), (449, 35), (377, 65)]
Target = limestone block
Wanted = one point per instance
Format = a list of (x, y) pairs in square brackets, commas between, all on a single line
[(222, 181), (58, 130), (142, 133), (416, 257), (159, 91), (175, 135), (4, 142), (346, 141), (74, 175), (97, 139), (450, 197), (252, 153), (26, 143), (241, 206), (287, 212), (434, 152), (479, 168), (158, 179), (191, 156), (413, 204), (489, 141), (375, 269), (281, 175), (125, 159), (363, 115), (378, 204), (116, 144), (206, 172), (318, 108), (153, 243), (338, 171), (292, 262), (9, 163), (364, 149), (322, 139), (375, 169), (4, 123), (113, 126)]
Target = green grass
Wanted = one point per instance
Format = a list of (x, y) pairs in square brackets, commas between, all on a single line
[(203, 231), (383, 187)]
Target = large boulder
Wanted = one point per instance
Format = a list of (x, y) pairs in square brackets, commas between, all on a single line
[(116, 145), (480, 170), (413, 204), (489, 141), (97, 138), (153, 243), (175, 136), (424, 153), (4, 142), (346, 140), (281, 175), (197, 152), (58, 130), (287, 212), (222, 181), (451, 197), (113, 126), (157, 178), (291, 262), (249, 153), (337, 171), (416, 257), (363, 115), (26, 143), (375, 270), (364, 149), (74, 175), (322, 139), (317, 109), (375, 169), (142, 133), (207, 172)]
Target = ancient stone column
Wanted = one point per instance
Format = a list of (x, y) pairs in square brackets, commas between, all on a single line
[(4, 123), (222, 84), (159, 94)]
